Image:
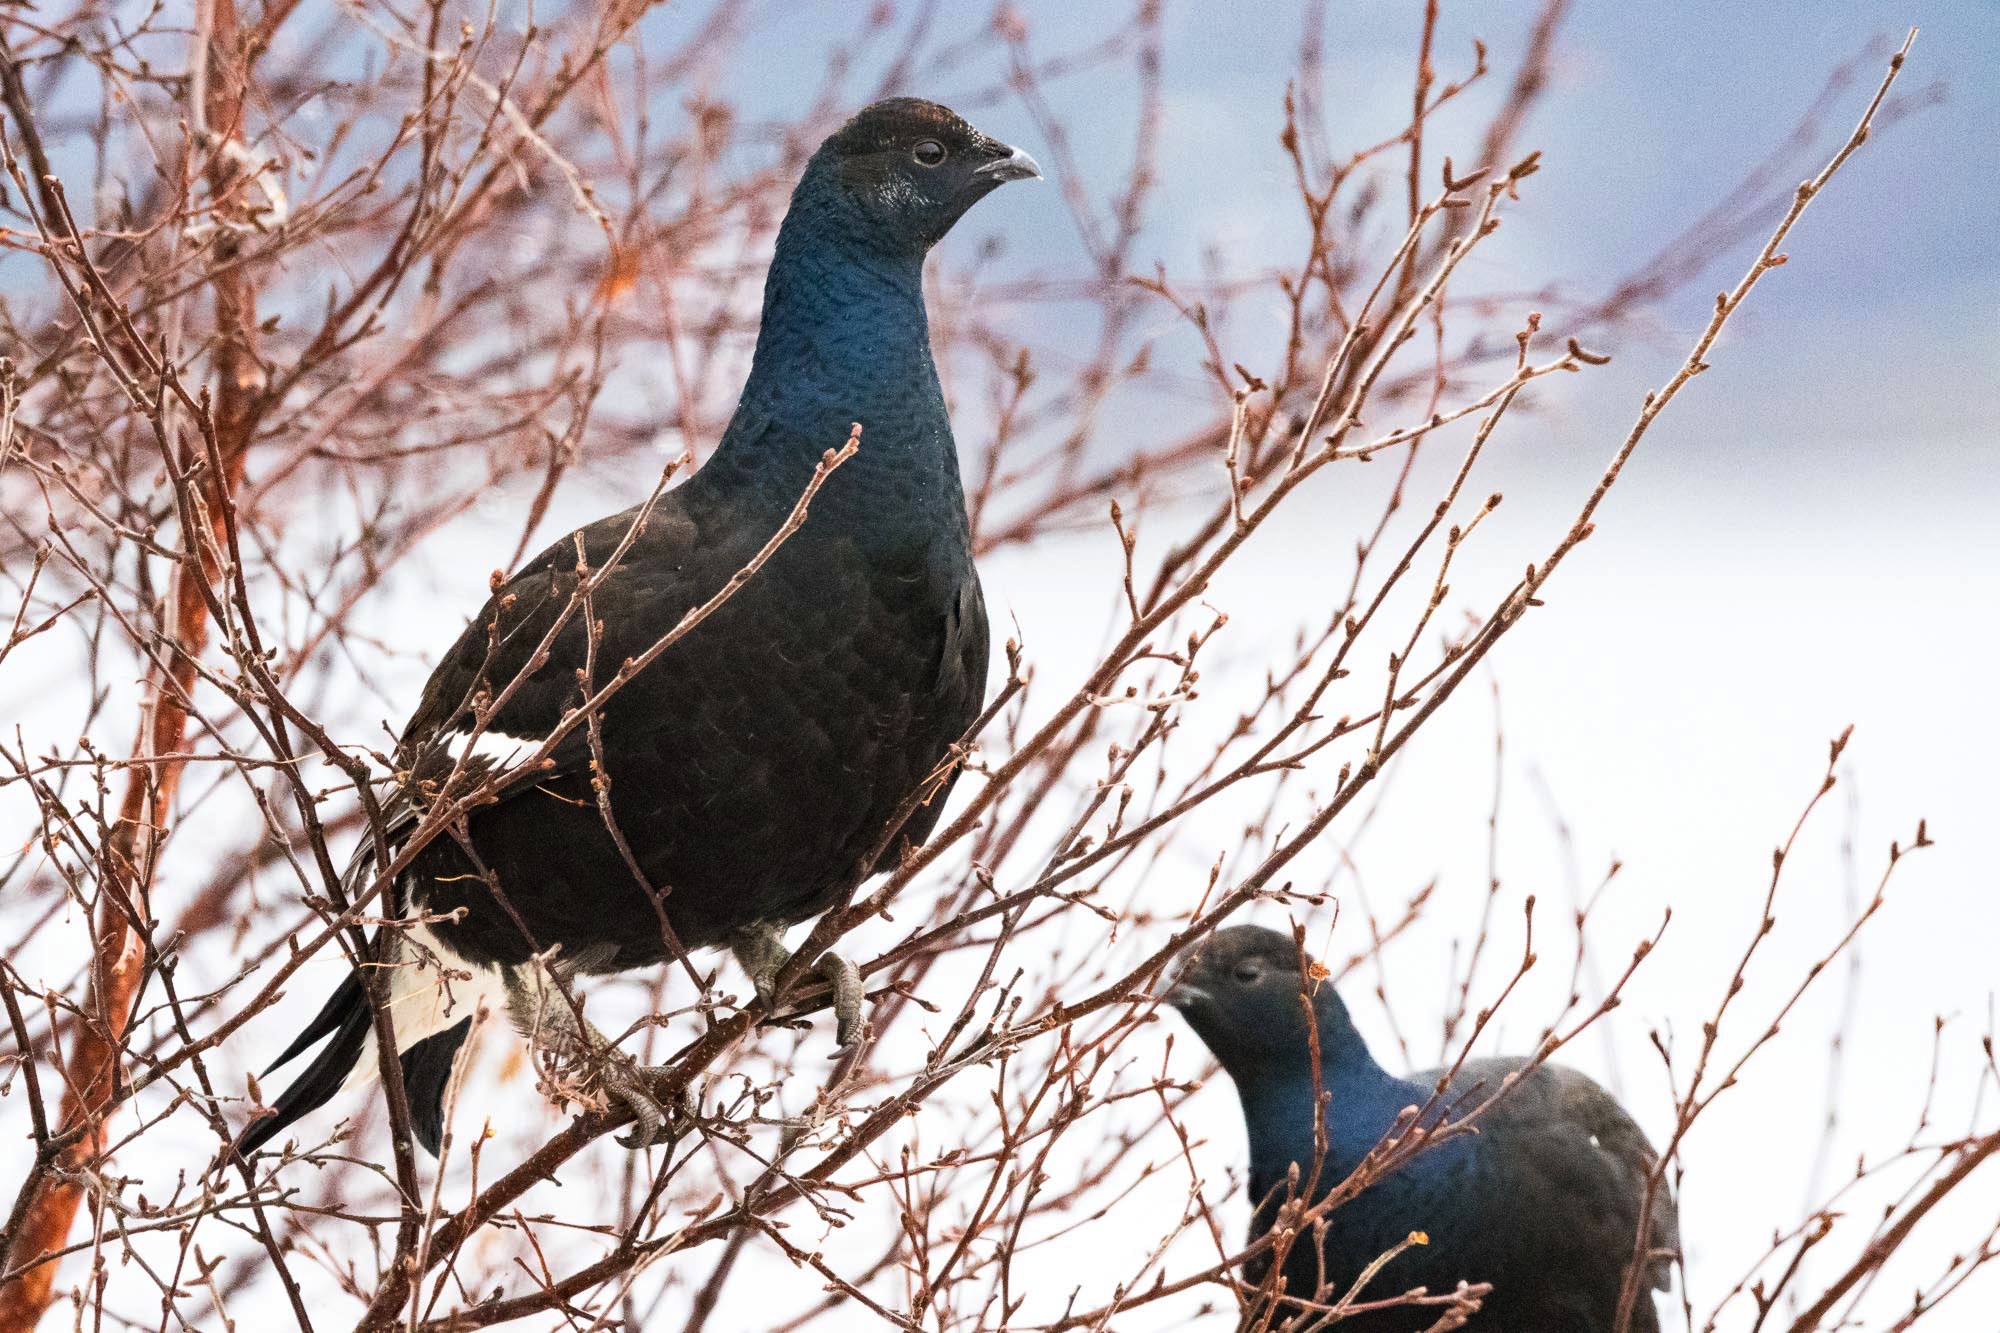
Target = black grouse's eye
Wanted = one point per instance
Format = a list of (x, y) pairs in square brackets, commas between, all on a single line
[(928, 153), (1249, 972)]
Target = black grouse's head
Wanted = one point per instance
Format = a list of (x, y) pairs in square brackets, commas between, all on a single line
[(1242, 992), (907, 169)]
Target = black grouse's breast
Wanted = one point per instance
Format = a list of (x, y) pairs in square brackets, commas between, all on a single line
[(752, 767)]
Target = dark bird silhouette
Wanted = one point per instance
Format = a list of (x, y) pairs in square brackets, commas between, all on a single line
[(754, 765), (1543, 1201)]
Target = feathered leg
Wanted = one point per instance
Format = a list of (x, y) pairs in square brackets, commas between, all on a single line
[(545, 1015), (762, 952)]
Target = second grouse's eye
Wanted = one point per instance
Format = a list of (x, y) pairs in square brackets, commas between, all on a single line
[(1249, 972), (928, 153)]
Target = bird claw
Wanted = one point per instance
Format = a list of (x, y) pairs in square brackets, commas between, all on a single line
[(762, 952), (638, 1089), (765, 982), (848, 993)]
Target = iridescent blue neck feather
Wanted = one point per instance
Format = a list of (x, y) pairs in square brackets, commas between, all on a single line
[(1362, 1104), (844, 339)]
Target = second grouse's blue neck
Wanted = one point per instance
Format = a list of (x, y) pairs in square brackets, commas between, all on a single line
[(1362, 1104), (844, 338)]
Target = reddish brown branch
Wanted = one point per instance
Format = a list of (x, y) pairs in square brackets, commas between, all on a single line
[(93, 1064)]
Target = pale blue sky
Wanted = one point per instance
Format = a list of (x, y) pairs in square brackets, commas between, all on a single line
[(1865, 369)]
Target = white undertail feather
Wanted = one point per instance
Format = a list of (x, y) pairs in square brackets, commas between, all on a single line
[(431, 988)]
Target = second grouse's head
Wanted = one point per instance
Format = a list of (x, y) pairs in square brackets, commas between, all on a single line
[(1242, 992), (907, 169)]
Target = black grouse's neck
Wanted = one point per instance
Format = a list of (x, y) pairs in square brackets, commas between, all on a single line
[(1342, 1053), (1361, 1102), (1281, 1101), (844, 339)]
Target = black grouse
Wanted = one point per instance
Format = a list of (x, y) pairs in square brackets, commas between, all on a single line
[(757, 762), (1543, 1201)]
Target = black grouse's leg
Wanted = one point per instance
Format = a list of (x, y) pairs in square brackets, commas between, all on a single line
[(543, 1013), (762, 952)]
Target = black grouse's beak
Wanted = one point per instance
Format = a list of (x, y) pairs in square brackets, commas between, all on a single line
[(1016, 166), (1185, 991)]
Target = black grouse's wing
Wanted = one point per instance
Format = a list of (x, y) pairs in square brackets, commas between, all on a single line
[(525, 646), (509, 653), (1575, 1167), (967, 645), (511, 648), (960, 673), (1623, 1145)]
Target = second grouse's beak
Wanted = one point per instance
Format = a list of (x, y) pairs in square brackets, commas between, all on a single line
[(1184, 992), (1016, 166)]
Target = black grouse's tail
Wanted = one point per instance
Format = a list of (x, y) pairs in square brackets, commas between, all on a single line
[(426, 1069), (426, 1075), (345, 1015)]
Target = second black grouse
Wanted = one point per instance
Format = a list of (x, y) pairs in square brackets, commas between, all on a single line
[(1547, 1201), (755, 765)]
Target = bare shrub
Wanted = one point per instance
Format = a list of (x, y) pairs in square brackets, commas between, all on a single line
[(282, 331)]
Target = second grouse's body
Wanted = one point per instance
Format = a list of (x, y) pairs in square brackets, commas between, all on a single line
[(1547, 1199)]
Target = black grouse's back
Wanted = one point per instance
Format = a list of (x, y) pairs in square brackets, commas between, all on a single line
[(1545, 1207), (1568, 1170)]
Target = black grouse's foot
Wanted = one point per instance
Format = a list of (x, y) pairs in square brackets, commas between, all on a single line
[(848, 994), (644, 1091), (761, 950), (548, 1019)]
